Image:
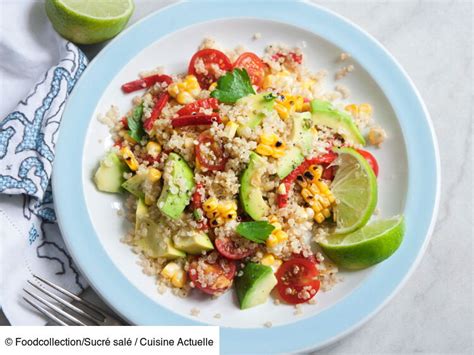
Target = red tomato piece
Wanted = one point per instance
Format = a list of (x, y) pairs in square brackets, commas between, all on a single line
[(297, 280), (371, 160), (195, 120), (160, 104), (209, 57), (232, 250), (212, 274), (253, 65), (146, 82), (194, 107), (205, 139)]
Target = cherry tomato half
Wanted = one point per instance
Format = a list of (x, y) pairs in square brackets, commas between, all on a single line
[(371, 160), (206, 142), (208, 57), (231, 249), (212, 274), (253, 65), (297, 280)]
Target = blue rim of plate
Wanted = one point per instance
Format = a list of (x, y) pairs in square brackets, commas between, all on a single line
[(327, 326)]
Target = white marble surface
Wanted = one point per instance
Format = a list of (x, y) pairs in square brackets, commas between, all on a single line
[(433, 313)]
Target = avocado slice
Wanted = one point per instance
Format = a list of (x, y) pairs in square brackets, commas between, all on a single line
[(152, 243), (192, 242), (259, 107), (251, 196), (255, 285), (325, 114), (301, 138), (109, 175), (134, 185), (177, 188)]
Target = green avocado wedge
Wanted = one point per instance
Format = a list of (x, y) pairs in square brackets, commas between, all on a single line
[(325, 114), (254, 285), (251, 196), (177, 188), (109, 175)]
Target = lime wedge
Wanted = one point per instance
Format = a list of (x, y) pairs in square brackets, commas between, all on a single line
[(367, 246), (355, 189), (89, 21)]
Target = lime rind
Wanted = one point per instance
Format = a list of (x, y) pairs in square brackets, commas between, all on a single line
[(367, 246), (355, 189)]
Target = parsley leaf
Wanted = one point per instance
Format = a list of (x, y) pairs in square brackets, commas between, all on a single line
[(135, 125), (257, 231), (232, 86)]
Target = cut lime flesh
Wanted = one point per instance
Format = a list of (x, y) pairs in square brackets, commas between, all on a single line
[(355, 190)]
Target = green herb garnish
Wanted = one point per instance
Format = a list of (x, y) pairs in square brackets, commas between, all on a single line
[(257, 231), (233, 86), (135, 124), (269, 97)]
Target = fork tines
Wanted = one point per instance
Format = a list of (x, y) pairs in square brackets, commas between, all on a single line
[(68, 313)]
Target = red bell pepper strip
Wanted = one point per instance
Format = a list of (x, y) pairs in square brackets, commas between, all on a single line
[(282, 199), (194, 107), (195, 120), (160, 103), (146, 82)]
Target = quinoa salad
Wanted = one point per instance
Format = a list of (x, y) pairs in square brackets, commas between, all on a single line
[(242, 174)]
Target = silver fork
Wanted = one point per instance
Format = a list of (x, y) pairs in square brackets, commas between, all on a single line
[(69, 314)]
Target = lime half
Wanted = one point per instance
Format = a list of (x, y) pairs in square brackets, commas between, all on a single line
[(355, 189), (89, 21), (367, 246)]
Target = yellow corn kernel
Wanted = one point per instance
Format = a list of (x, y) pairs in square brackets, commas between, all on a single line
[(212, 214), (268, 139), (306, 107), (264, 149), (314, 189), (331, 198), (316, 206), (365, 109), (319, 217), (272, 219), (213, 86), (226, 206), (129, 158), (216, 222), (316, 170), (271, 241), (173, 89), (324, 201), (307, 194), (170, 270), (154, 174), (353, 109), (322, 187), (299, 101), (210, 204), (268, 81), (282, 111), (179, 279), (153, 149), (184, 98), (326, 213), (302, 182), (230, 129), (230, 215), (268, 260), (281, 235)]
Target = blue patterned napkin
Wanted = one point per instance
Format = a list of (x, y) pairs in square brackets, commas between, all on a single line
[(29, 237)]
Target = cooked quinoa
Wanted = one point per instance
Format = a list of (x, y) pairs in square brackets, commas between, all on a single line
[(217, 151)]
